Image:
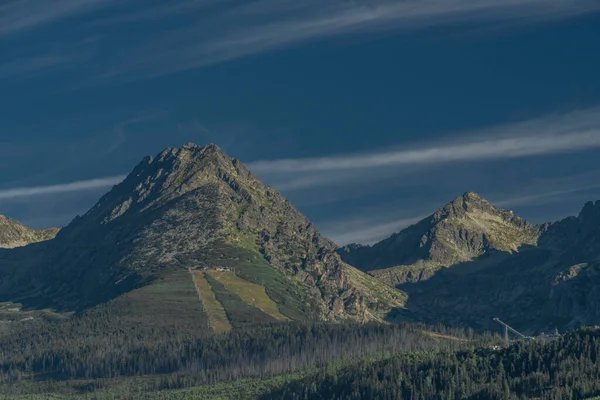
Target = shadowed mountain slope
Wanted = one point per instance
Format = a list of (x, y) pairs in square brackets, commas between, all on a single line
[(554, 284), (184, 210)]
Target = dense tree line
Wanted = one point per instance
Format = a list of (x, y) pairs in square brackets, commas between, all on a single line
[(90, 349), (371, 361), (562, 369)]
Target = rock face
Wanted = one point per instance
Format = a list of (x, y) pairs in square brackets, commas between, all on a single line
[(193, 207), (14, 234), (471, 261), (464, 229), (575, 277)]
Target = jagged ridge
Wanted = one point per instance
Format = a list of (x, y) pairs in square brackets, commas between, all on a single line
[(462, 230), (535, 277)]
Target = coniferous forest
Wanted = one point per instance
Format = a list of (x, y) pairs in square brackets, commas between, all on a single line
[(84, 355), (84, 358), (562, 369)]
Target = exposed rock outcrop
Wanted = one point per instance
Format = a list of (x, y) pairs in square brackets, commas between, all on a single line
[(14, 234)]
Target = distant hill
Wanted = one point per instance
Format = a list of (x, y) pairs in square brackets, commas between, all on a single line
[(155, 242), (14, 234)]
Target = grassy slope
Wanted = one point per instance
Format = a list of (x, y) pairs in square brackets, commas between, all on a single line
[(291, 298), (251, 293), (171, 301), (255, 286), (238, 312), (173, 298), (216, 314)]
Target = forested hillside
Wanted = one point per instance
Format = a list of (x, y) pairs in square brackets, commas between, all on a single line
[(296, 361), (87, 355), (562, 369)]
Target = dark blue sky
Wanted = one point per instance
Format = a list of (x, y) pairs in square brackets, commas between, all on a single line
[(366, 117)]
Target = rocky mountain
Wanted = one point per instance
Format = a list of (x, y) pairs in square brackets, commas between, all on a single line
[(471, 261), (193, 222), (14, 234), (464, 229), (192, 235)]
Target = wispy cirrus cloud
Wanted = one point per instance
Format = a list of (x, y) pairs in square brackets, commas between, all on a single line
[(242, 29), (20, 15), (20, 192), (572, 132), (544, 197), (43, 62), (582, 186), (366, 230), (188, 34)]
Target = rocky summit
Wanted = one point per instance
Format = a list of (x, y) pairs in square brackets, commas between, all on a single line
[(14, 234), (463, 230), (195, 229)]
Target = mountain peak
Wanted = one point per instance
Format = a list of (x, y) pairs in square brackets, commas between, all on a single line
[(472, 196), (173, 173), (590, 210), (207, 149), (467, 203), (192, 150), (192, 145), (469, 198), (192, 209), (465, 228)]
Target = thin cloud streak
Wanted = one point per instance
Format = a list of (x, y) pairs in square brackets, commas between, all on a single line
[(21, 15), (543, 198), (30, 65), (269, 25), (366, 232), (572, 132), (210, 32), (60, 188)]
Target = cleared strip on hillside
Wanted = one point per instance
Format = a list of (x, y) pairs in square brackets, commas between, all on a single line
[(441, 336), (215, 311), (251, 293)]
